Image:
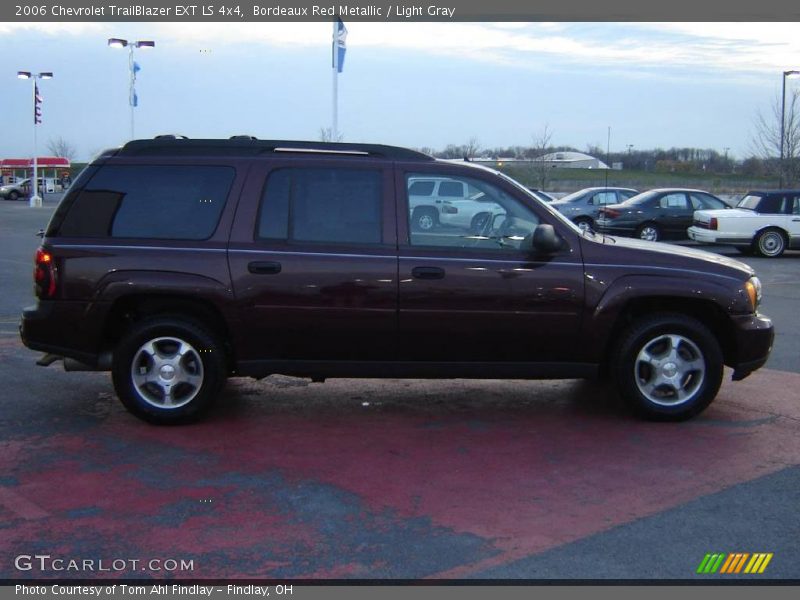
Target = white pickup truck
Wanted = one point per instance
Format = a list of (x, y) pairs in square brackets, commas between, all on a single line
[(437, 201), (766, 223)]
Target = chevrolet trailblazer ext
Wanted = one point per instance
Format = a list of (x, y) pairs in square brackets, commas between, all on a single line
[(176, 263)]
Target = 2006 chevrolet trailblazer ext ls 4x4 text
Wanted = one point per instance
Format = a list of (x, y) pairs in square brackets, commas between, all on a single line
[(176, 263)]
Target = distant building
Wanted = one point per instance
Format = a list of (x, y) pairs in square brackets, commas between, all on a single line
[(50, 168), (571, 160), (559, 160)]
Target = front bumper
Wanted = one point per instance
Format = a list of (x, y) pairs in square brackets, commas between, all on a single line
[(754, 335)]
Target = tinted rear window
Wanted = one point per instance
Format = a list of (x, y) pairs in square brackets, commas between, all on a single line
[(155, 202), (322, 205)]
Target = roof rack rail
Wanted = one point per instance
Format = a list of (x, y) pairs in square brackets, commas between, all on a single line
[(170, 136), (243, 137), (249, 146)]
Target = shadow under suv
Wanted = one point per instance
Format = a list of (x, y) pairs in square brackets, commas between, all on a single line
[(177, 263)]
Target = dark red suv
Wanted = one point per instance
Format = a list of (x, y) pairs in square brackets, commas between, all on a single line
[(176, 263)]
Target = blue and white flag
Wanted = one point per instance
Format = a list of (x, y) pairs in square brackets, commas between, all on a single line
[(339, 46), (133, 99), (37, 104)]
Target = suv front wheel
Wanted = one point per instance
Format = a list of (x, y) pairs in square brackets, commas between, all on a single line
[(668, 367), (168, 369)]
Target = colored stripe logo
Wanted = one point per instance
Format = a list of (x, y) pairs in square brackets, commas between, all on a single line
[(734, 562)]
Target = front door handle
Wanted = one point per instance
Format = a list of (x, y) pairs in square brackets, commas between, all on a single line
[(427, 272), (264, 267)]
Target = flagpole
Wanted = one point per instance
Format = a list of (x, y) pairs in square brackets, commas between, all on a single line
[(335, 62), (131, 90)]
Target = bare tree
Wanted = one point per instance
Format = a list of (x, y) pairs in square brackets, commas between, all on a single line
[(326, 135), (62, 148), (471, 148), (766, 141), (541, 146)]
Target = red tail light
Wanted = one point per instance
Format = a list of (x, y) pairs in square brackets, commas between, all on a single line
[(610, 213), (44, 274), (712, 224)]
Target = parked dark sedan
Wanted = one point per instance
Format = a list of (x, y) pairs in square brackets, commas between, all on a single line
[(656, 214), (583, 206)]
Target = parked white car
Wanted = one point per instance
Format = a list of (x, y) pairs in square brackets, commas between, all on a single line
[(435, 201), (766, 223)]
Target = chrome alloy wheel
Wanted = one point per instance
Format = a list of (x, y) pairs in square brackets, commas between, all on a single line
[(771, 243), (669, 370), (167, 372), (649, 233), (425, 221)]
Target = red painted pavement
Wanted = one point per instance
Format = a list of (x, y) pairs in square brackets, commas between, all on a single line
[(430, 479)]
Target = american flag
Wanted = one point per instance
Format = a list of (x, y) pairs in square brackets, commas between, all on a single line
[(37, 105)]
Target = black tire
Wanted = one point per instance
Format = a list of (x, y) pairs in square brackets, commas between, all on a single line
[(584, 223), (424, 219), (187, 382), (770, 243), (13, 195), (649, 232), (662, 357)]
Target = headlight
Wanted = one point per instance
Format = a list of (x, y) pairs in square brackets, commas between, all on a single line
[(753, 288)]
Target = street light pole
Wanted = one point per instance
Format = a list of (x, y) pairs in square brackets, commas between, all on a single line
[(786, 74), (35, 199), (133, 68)]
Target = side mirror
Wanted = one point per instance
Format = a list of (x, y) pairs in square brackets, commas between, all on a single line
[(543, 239)]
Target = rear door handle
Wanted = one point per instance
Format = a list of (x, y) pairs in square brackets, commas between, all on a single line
[(427, 272), (264, 267)]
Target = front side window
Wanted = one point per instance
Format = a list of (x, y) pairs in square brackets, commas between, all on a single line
[(488, 218), (155, 202), (322, 205)]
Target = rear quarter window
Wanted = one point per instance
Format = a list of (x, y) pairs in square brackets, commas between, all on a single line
[(150, 202)]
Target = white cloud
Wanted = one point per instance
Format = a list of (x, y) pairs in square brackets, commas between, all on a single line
[(735, 48)]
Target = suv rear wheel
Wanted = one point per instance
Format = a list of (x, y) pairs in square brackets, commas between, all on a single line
[(668, 367), (168, 370)]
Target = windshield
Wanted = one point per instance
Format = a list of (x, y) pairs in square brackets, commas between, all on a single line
[(640, 198), (573, 196)]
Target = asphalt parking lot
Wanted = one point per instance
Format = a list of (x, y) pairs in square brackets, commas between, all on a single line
[(394, 479)]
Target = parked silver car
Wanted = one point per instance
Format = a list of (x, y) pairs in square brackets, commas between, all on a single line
[(583, 206)]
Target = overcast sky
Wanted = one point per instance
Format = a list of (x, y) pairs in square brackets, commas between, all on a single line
[(411, 84)]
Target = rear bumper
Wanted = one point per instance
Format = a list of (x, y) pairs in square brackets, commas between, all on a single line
[(47, 325), (604, 227), (754, 337), (707, 236)]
